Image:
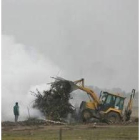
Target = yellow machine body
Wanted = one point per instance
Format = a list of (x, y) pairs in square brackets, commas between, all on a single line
[(98, 108)]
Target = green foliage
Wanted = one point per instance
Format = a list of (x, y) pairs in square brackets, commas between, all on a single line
[(54, 103)]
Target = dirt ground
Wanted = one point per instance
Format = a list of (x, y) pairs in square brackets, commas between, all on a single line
[(70, 132)]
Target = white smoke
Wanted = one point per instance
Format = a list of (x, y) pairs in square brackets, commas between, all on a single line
[(23, 69)]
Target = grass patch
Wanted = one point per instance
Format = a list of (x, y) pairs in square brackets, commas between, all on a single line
[(111, 133)]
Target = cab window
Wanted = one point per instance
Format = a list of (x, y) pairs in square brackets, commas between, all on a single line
[(110, 100), (119, 103)]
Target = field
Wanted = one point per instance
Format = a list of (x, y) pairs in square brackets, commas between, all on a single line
[(71, 132)]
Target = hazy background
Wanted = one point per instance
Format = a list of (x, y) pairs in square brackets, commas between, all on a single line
[(96, 40)]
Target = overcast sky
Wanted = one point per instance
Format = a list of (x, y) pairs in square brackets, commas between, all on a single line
[(93, 39)]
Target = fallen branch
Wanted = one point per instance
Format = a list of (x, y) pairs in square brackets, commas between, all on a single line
[(55, 122)]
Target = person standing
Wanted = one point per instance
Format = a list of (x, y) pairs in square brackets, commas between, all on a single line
[(16, 111)]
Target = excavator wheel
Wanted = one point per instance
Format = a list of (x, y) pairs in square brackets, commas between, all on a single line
[(86, 115), (113, 117)]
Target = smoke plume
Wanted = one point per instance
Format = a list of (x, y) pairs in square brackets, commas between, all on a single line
[(23, 69)]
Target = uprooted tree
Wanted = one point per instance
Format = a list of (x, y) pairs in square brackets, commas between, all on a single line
[(54, 103)]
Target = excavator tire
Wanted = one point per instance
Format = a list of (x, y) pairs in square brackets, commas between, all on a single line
[(86, 115), (113, 117)]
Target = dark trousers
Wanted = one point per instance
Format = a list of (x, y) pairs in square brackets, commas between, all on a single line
[(16, 118)]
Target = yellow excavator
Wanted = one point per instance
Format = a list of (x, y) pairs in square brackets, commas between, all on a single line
[(107, 107)]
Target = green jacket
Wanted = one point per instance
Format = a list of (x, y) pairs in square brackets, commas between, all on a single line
[(16, 110)]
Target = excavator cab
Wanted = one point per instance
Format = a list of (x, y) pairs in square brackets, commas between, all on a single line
[(109, 100)]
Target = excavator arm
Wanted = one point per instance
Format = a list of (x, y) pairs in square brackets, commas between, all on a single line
[(130, 103), (128, 110), (80, 85)]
